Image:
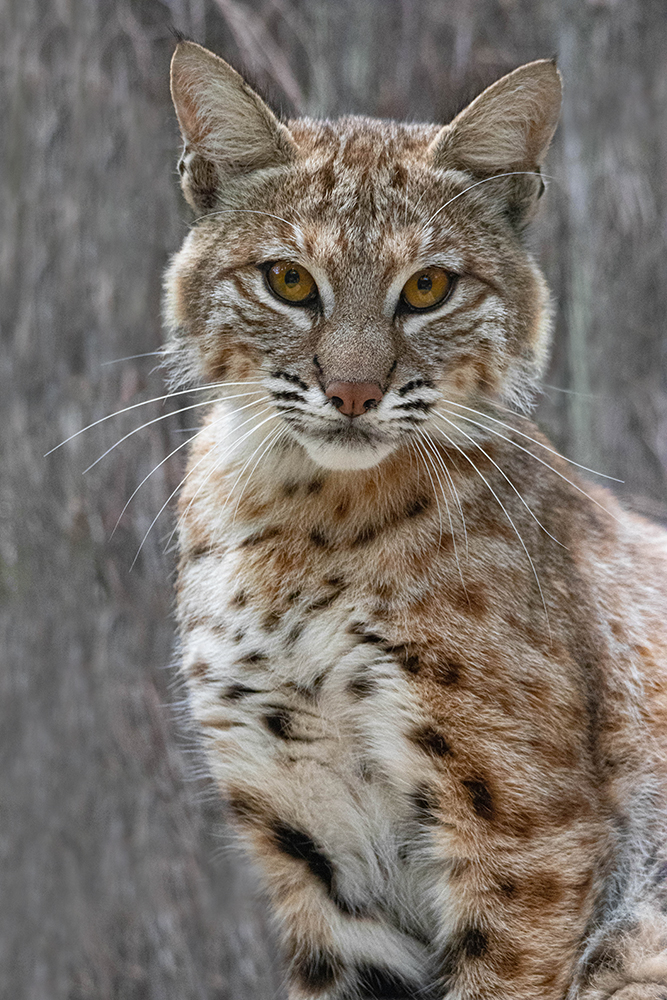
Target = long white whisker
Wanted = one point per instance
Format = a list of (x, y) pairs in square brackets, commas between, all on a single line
[(183, 444), (184, 480), (220, 462), (429, 444), (133, 357), (437, 456), (413, 451), (277, 433), (425, 456), (452, 487), (485, 180), (569, 392), (461, 416), (502, 473), (570, 461), (226, 452), (238, 478), (173, 413), (249, 211), (506, 513), (145, 402)]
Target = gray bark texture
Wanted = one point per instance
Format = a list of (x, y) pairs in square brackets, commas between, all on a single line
[(118, 878)]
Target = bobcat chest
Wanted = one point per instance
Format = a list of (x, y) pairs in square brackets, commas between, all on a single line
[(307, 715)]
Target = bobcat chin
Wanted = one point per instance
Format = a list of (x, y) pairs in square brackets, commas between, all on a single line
[(428, 660)]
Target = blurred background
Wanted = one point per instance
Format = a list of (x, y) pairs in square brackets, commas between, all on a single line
[(117, 877)]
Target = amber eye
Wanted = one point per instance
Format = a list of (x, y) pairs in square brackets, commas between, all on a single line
[(427, 288), (291, 282)]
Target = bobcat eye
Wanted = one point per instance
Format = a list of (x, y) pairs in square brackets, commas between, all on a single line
[(291, 282), (427, 288)]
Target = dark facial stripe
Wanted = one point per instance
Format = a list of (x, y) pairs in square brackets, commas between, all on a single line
[(288, 377), (415, 404), (287, 397), (417, 383)]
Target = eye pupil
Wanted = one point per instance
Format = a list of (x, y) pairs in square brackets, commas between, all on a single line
[(291, 282), (427, 289)]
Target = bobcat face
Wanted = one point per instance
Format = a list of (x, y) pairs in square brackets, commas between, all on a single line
[(357, 271)]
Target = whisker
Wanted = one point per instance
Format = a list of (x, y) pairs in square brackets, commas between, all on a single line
[(452, 487), (520, 447), (165, 416), (502, 473), (433, 451), (236, 481), (413, 451), (216, 465), (182, 483), (505, 512), (570, 461), (133, 357), (569, 392), (249, 211), (158, 466), (425, 456), (145, 402), (437, 456), (495, 177), (277, 434), (219, 463)]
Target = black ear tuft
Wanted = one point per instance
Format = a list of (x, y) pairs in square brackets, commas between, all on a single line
[(178, 35)]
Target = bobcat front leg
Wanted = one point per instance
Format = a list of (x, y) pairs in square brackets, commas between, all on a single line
[(560, 919), (336, 948)]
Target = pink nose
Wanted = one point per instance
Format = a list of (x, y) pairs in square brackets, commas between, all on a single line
[(354, 398)]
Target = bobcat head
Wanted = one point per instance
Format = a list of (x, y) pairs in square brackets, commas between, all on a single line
[(361, 271)]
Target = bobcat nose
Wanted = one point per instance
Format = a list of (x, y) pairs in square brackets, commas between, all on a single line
[(354, 398)]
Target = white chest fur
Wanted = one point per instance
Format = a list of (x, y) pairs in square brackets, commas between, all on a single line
[(305, 716)]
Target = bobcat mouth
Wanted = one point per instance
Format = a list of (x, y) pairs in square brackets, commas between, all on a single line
[(345, 447)]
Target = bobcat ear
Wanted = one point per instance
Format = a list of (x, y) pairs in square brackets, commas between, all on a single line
[(507, 128), (227, 128)]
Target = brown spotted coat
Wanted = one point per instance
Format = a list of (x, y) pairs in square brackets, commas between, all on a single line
[(428, 660)]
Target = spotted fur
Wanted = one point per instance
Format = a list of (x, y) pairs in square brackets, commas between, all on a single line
[(428, 660)]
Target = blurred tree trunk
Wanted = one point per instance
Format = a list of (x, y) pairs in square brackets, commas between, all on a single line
[(114, 879), (114, 883)]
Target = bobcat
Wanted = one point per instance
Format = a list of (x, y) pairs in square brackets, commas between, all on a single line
[(429, 662)]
